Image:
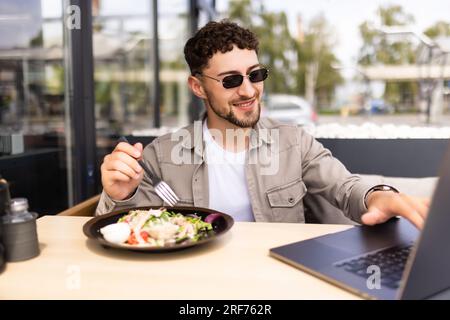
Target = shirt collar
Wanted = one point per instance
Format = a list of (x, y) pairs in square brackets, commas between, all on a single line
[(193, 139)]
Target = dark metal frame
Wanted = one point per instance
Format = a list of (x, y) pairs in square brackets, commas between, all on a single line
[(195, 6), (196, 104), (156, 80), (80, 89)]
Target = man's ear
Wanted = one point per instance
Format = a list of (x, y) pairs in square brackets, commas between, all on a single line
[(196, 87)]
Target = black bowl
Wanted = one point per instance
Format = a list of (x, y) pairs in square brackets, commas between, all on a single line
[(221, 223)]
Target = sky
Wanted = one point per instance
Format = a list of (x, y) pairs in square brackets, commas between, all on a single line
[(345, 16)]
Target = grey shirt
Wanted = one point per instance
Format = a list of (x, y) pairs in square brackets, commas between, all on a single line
[(283, 164)]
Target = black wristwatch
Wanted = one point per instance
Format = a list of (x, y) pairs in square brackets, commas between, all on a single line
[(379, 187)]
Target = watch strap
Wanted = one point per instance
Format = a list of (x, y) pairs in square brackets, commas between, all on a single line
[(379, 187)]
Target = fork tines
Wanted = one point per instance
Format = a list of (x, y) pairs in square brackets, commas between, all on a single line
[(166, 193)]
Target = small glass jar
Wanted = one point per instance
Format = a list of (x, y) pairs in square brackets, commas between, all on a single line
[(18, 211), (19, 231)]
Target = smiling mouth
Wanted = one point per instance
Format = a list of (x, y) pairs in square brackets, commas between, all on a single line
[(244, 104)]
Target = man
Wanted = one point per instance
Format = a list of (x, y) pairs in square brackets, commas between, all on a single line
[(227, 75)]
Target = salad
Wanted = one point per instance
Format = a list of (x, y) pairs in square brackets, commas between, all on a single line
[(158, 227)]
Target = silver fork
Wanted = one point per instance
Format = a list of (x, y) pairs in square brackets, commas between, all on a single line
[(162, 189)]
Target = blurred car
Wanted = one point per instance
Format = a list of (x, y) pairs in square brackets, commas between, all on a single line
[(289, 109), (379, 106)]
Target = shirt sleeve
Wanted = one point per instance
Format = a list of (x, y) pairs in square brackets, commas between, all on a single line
[(327, 176)]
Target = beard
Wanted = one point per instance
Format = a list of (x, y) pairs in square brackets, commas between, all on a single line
[(250, 117)]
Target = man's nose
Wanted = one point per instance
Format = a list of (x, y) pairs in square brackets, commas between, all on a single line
[(246, 89)]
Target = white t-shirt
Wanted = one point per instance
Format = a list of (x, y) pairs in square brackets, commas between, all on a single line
[(228, 190)]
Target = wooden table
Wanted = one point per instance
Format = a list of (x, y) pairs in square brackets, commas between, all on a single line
[(236, 266)]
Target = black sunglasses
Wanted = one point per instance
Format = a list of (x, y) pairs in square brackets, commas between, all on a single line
[(236, 80)]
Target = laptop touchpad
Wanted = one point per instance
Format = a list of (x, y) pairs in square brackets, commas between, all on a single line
[(364, 239)]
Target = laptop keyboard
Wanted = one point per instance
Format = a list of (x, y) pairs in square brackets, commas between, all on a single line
[(391, 262)]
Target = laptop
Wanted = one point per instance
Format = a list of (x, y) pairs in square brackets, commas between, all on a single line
[(392, 260)]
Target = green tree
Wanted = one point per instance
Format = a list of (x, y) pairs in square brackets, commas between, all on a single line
[(242, 11), (294, 64), (276, 46), (378, 49), (439, 29), (316, 60)]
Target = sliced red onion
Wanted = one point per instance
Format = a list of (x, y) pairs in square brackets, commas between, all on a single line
[(212, 217)]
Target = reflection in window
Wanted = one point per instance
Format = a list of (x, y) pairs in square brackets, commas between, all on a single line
[(124, 65), (32, 102)]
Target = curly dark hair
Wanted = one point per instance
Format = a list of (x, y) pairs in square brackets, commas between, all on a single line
[(213, 37)]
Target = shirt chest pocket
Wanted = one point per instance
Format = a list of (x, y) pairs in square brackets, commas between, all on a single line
[(286, 201), (179, 178)]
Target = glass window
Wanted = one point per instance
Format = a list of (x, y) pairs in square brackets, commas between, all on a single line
[(173, 34), (124, 68), (32, 100)]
